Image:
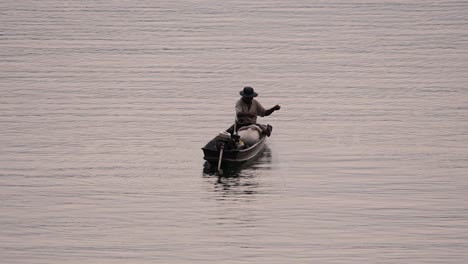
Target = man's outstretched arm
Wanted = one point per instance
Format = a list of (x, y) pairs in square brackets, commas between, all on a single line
[(271, 110)]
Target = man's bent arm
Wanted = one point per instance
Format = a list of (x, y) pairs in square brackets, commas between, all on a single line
[(245, 114)]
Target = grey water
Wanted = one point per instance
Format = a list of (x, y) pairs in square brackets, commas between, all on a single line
[(105, 105)]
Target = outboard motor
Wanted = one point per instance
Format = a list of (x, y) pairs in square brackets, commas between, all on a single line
[(224, 136), (222, 139)]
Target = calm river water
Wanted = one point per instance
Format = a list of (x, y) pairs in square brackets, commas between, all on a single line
[(104, 106)]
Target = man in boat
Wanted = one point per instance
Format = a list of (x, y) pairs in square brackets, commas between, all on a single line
[(247, 110)]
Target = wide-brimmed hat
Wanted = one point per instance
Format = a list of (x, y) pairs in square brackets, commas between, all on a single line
[(248, 92)]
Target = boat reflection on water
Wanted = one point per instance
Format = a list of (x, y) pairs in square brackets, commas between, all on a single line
[(241, 179)]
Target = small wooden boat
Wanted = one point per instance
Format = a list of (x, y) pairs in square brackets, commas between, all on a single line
[(229, 148)]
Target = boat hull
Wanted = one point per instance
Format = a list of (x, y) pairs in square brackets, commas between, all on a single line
[(211, 153)]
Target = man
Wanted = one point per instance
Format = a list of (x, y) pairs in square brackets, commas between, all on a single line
[(247, 109)]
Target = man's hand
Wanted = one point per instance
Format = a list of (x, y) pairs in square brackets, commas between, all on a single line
[(276, 107)]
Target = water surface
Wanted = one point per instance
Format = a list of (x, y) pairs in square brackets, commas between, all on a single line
[(104, 106)]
